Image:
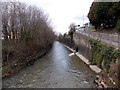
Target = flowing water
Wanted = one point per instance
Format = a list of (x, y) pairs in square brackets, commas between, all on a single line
[(60, 68)]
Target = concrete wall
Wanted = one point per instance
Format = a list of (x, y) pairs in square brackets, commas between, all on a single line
[(81, 41)]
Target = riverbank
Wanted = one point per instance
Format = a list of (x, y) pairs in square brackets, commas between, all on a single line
[(99, 81), (55, 70), (93, 67), (11, 69), (108, 63)]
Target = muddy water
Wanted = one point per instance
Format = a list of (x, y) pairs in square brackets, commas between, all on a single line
[(58, 69)]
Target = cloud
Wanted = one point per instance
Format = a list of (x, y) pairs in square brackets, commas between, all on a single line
[(81, 17), (63, 12)]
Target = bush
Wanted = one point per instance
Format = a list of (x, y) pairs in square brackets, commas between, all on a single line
[(117, 28), (102, 53)]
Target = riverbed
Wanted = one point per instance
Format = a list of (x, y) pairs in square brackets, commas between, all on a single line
[(60, 68)]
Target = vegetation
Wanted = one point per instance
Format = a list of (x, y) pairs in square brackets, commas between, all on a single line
[(71, 31), (104, 14), (66, 39), (27, 34), (117, 28), (102, 54)]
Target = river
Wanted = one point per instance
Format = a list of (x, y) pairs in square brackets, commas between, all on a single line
[(58, 69)]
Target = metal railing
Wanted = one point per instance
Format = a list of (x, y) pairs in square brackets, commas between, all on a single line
[(112, 39)]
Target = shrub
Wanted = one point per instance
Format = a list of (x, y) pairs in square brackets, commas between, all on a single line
[(103, 53), (117, 28)]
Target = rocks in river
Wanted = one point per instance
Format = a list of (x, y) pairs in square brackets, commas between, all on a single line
[(71, 54), (100, 82), (74, 71), (25, 74), (34, 80), (12, 86), (85, 81), (29, 85), (77, 75), (20, 86), (21, 81), (35, 77), (100, 86)]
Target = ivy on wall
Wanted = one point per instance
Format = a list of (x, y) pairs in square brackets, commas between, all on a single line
[(102, 55)]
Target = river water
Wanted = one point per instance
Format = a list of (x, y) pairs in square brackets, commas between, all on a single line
[(58, 69)]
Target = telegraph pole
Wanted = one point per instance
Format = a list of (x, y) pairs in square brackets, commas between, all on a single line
[(83, 20)]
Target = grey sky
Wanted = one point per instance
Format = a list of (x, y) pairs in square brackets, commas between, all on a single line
[(64, 12)]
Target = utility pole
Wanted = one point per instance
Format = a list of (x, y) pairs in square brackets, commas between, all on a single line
[(83, 20)]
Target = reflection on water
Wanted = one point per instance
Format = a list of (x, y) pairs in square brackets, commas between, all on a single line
[(58, 69), (59, 55)]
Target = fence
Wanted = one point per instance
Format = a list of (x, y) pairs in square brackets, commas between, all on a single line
[(112, 39)]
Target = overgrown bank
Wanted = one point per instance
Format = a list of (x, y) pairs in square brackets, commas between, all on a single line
[(105, 57), (27, 35), (13, 66)]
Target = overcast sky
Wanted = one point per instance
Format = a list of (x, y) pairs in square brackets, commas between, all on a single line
[(64, 12)]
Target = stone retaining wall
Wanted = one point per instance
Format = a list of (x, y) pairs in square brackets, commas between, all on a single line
[(81, 41)]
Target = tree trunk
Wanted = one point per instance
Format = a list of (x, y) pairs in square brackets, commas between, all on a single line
[(5, 32)]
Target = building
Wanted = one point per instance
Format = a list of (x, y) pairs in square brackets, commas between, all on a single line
[(88, 26)]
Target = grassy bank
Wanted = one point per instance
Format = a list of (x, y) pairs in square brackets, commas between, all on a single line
[(12, 67), (106, 57)]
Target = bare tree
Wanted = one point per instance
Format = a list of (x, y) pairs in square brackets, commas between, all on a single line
[(26, 26)]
